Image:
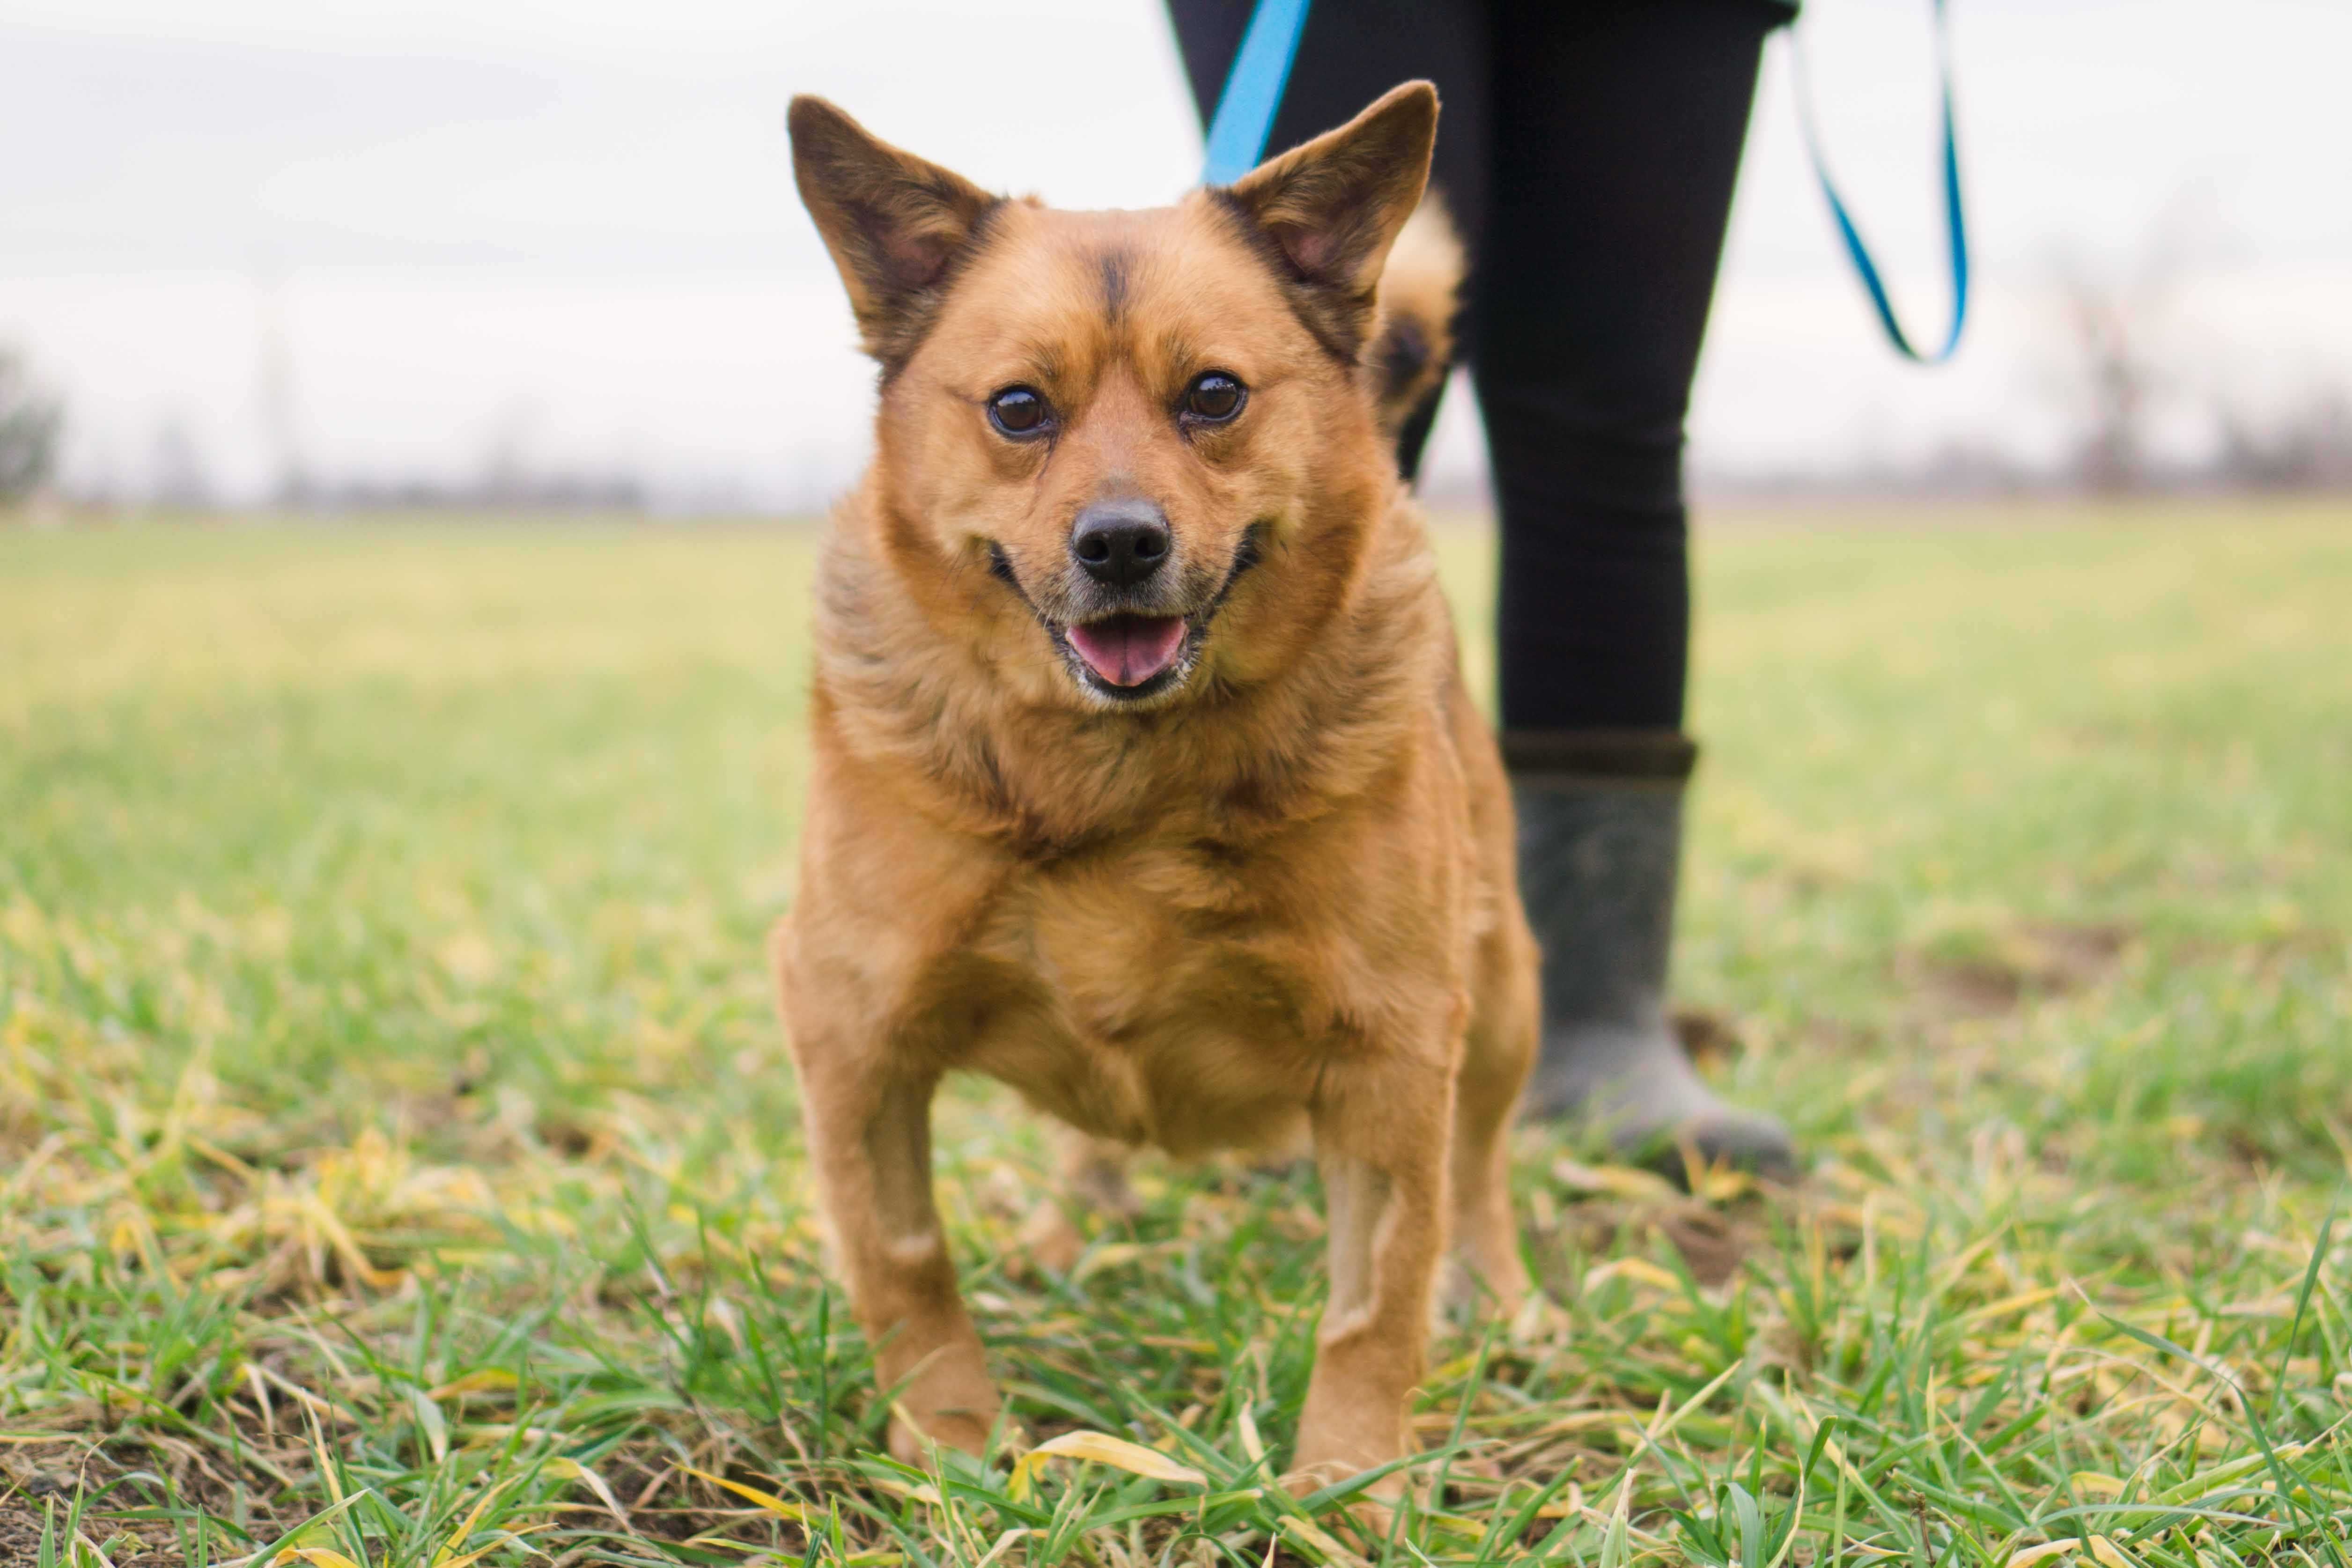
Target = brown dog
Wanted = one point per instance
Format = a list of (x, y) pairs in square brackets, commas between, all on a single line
[(1145, 778)]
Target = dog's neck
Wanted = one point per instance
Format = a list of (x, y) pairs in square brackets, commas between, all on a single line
[(931, 680)]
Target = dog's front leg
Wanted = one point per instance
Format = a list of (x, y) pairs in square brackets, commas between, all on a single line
[(869, 1133), (1380, 1133)]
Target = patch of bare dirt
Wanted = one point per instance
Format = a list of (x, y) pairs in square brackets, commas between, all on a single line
[(38, 1483), (1840, 1036), (2044, 959), (1712, 1242), (1708, 1036)]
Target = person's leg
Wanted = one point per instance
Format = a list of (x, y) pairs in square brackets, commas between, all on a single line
[(1616, 129), (1351, 53)]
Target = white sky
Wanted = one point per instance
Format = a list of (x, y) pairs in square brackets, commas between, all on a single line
[(568, 231)]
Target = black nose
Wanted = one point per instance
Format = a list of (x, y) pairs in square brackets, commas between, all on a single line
[(1120, 543)]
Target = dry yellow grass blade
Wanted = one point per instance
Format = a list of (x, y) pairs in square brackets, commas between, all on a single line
[(1663, 1425), (1640, 1269), (2048, 1549), (319, 1556), (445, 1557), (1307, 1533), (572, 1470), (2104, 1551), (471, 1558), (328, 1473), (2110, 1555), (1110, 1255), (790, 1511), (925, 1492), (1005, 1542), (488, 1380), (1103, 1450), (1252, 1444), (1613, 1181)]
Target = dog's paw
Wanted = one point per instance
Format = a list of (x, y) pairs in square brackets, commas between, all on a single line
[(1469, 1293), (1367, 1516), (1048, 1242), (914, 1434), (945, 1397)]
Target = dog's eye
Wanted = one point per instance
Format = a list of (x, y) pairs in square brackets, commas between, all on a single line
[(1018, 411), (1215, 397)]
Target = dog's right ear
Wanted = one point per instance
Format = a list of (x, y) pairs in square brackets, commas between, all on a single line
[(895, 224)]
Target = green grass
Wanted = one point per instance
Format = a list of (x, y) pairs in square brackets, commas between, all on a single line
[(398, 1159)]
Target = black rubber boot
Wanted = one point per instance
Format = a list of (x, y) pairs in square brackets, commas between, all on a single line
[(1600, 845)]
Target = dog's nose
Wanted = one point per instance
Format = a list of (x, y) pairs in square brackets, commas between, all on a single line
[(1120, 543)]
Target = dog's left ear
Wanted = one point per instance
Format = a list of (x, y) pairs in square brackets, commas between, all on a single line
[(894, 222), (1333, 205)]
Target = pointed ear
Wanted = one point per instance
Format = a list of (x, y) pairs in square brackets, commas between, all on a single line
[(1332, 207), (895, 224)]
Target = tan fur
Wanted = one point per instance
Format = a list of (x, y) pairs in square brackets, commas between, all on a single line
[(1281, 889), (1415, 345)]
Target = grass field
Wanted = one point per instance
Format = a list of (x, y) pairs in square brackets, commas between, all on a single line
[(399, 1163)]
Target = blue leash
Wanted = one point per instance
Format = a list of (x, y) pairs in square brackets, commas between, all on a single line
[(1260, 69), (1956, 222), (1253, 90)]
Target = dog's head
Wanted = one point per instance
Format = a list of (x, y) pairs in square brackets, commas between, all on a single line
[(1118, 415)]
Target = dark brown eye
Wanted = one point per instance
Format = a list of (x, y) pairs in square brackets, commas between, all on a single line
[(1215, 397), (1018, 411)]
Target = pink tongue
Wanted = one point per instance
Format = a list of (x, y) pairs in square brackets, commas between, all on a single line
[(1129, 650)]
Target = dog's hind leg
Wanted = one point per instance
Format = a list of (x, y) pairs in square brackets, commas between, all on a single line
[(1092, 1175), (1498, 1053)]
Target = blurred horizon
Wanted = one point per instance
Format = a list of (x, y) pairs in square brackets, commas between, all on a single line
[(524, 253)]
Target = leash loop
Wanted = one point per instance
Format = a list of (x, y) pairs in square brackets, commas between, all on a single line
[(1956, 224)]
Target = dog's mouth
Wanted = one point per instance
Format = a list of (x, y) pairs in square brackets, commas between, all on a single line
[(1128, 651), (1132, 655)]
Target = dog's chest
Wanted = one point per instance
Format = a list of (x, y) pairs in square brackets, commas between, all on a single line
[(1177, 995)]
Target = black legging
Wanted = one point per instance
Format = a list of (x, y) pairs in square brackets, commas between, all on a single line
[(1587, 149)]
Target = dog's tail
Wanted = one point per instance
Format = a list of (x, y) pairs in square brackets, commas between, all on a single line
[(1413, 346)]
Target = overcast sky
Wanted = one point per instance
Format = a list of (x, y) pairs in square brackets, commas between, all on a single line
[(566, 233)]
